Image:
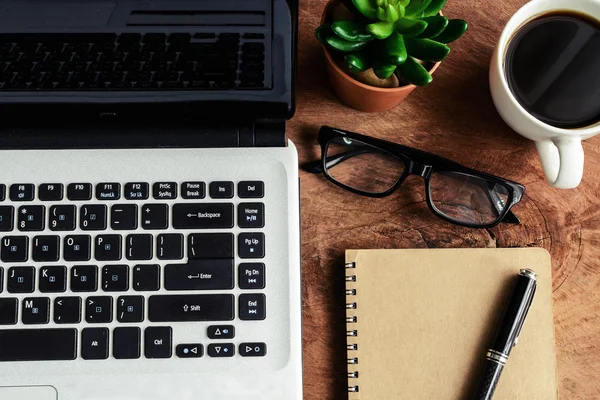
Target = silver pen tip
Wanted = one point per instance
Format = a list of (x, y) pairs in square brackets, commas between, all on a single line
[(529, 274)]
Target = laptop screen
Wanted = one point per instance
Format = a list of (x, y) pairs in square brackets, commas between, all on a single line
[(212, 55)]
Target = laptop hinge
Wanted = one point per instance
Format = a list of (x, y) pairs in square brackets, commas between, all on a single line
[(269, 133)]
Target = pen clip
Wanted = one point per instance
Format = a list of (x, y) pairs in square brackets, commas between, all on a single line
[(522, 322)]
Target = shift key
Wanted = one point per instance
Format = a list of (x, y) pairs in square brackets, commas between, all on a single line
[(203, 216), (183, 308)]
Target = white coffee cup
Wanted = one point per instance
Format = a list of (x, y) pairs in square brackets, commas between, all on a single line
[(560, 149)]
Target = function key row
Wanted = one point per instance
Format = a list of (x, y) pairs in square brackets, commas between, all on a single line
[(132, 191)]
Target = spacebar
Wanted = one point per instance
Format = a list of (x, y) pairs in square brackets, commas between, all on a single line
[(38, 344)]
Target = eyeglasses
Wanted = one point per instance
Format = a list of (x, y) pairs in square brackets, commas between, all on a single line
[(376, 168)]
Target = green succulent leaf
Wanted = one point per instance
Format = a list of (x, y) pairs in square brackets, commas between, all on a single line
[(391, 13), (401, 11), (381, 30), (351, 31), (384, 71), (416, 7), (427, 49), (322, 32), (380, 3), (357, 62), (435, 26), (410, 27), (434, 8), (395, 48), (455, 29), (366, 8), (414, 72), (344, 46), (381, 14), (404, 3)]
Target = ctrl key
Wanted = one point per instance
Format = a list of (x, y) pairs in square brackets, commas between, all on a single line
[(158, 342), (38, 344)]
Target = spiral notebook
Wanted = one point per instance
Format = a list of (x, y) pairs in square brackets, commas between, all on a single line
[(419, 323)]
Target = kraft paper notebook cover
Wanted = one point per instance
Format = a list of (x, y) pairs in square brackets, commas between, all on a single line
[(424, 320)]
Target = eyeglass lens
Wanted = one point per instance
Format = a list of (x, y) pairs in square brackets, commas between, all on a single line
[(361, 166)]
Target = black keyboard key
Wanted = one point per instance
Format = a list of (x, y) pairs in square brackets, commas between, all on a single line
[(2, 192), (1, 279), (14, 249), (200, 275), (126, 343), (6, 218), (251, 190), (253, 349), (50, 192), (251, 245), (164, 190), (94, 343), (108, 247), (157, 342), (33, 344), (62, 218), (189, 350), (108, 191), (67, 310), (139, 247), (46, 248), (205, 35), (203, 216), (79, 191), (115, 278), (77, 248), (22, 192), (137, 191), (155, 216), (251, 276), (8, 311), (251, 215), (35, 310), (169, 246), (253, 307), (146, 278), (221, 190), (197, 307), (31, 218), (20, 280), (221, 350), (53, 279), (193, 190), (210, 245), (130, 309), (98, 310), (124, 217), (93, 217), (221, 332), (84, 278)]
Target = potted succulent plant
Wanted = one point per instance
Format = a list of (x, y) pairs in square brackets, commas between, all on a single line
[(379, 51)]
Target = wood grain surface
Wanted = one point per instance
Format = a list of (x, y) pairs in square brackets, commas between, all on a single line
[(453, 117)]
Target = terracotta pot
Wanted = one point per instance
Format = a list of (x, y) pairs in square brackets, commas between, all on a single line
[(356, 94)]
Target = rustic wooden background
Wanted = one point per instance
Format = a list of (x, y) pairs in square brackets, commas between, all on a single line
[(455, 118)]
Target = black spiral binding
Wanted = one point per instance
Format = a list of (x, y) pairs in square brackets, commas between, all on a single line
[(351, 319)]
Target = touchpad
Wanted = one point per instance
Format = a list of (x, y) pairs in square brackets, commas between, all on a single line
[(28, 393)]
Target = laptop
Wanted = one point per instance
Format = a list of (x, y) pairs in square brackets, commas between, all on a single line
[(149, 200)]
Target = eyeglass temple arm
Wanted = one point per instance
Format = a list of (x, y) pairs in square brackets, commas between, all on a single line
[(510, 217), (316, 167)]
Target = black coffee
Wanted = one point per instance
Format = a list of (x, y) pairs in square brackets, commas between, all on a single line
[(553, 69)]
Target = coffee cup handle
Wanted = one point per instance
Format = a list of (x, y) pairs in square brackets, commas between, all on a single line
[(562, 160)]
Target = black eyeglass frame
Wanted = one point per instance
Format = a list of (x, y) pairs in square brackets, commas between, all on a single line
[(416, 162)]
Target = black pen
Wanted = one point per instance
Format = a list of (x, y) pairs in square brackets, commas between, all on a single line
[(507, 335)]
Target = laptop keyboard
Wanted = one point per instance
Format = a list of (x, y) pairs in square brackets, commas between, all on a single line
[(102, 273), (132, 61)]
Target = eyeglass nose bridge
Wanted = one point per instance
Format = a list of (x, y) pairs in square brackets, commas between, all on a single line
[(419, 169)]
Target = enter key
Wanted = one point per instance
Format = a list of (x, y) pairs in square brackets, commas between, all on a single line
[(207, 274)]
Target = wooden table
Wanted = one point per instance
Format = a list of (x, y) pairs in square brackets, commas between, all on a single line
[(455, 118)]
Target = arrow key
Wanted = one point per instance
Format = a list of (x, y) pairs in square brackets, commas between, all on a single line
[(193, 350), (253, 349), (221, 350), (67, 310), (221, 332)]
